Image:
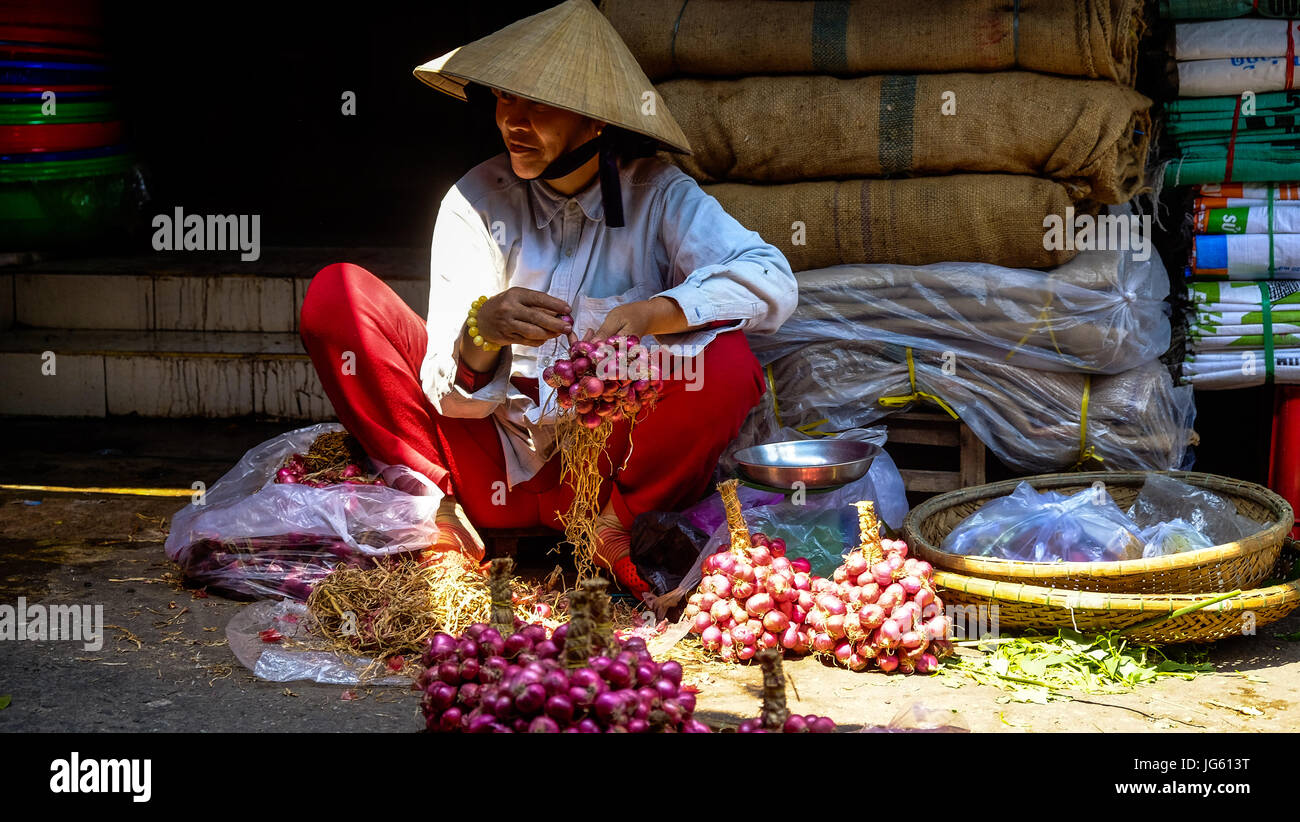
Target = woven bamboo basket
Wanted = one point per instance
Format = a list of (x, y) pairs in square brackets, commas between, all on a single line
[(1236, 565), (1142, 617)]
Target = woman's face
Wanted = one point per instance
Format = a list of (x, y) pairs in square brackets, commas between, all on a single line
[(536, 134)]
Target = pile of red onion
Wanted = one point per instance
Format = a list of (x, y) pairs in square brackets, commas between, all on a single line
[(752, 600), (612, 378), (483, 682), (295, 472), (887, 613), (794, 724)]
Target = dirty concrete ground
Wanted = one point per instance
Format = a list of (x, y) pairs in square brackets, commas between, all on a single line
[(165, 664)]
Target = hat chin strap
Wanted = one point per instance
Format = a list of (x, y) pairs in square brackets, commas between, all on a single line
[(611, 192)]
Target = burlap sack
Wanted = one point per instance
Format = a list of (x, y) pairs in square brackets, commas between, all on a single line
[(1078, 38), (989, 218), (1091, 134)]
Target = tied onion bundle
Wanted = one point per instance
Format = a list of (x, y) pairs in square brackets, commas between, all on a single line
[(880, 605), (600, 384), (749, 602), (580, 679), (752, 597), (611, 378)]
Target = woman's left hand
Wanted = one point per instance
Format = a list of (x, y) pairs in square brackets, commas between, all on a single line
[(657, 315)]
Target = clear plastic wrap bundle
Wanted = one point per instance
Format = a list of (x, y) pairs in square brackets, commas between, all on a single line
[(1101, 312), (1034, 421)]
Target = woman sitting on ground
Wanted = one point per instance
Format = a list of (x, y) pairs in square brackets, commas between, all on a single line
[(571, 221)]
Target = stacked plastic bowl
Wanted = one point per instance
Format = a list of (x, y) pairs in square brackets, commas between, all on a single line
[(65, 174)]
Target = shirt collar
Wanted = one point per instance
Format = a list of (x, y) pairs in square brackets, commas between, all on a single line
[(547, 202)]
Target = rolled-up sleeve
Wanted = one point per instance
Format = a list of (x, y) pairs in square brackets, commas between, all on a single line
[(722, 271), (465, 263)]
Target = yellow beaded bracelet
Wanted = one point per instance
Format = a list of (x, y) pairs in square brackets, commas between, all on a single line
[(473, 327)]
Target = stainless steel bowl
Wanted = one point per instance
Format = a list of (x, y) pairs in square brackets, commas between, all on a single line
[(815, 463)]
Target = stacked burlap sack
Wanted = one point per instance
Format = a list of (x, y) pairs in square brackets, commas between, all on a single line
[(821, 101), (907, 158)]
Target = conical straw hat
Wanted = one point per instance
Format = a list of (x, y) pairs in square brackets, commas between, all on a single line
[(569, 57)]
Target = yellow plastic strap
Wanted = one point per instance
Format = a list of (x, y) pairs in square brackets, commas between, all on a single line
[(1086, 452), (1043, 317), (809, 428), (900, 401), (771, 389), (813, 429)]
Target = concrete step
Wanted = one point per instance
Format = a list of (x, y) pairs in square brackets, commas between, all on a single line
[(97, 373), (191, 291)]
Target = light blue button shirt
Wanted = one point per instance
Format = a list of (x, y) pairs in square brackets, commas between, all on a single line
[(495, 231)]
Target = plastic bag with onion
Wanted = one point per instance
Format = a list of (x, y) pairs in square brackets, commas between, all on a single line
[(250, 535)]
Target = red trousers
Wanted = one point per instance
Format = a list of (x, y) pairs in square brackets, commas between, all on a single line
[(367, 346)]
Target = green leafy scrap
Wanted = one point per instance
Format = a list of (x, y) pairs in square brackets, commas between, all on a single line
[(1042, 668)]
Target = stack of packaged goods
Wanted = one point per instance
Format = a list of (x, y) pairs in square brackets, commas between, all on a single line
[(1232, 127), (912, 174), (1243, 334), (1223, 9), (1234, 120)]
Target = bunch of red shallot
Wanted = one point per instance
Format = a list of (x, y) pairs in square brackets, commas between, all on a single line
[(879, 606), (751, 599), (612, 378)]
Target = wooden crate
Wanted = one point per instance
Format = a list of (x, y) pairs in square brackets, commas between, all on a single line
[(948, 442)]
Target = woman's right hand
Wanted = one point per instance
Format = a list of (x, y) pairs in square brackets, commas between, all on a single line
[(521, 316)]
